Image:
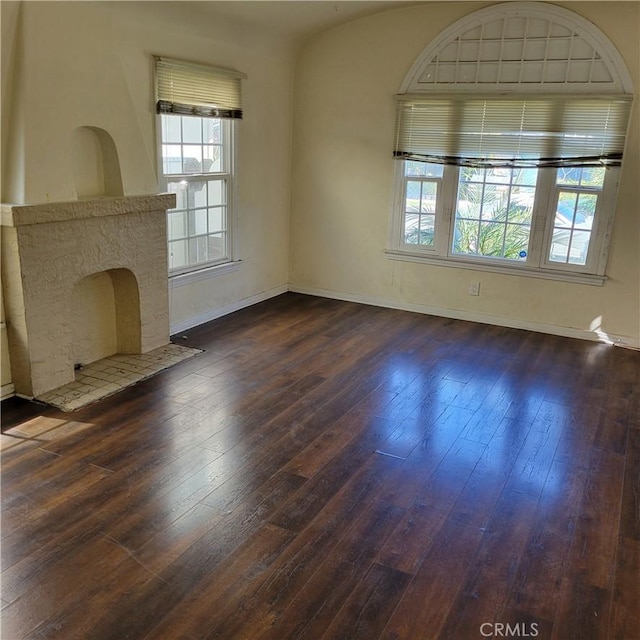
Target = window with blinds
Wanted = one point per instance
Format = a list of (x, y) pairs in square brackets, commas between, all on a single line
[(512, 131), (187, 88), (198, 106)]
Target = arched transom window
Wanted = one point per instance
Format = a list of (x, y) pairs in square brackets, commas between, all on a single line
[(511, 127)]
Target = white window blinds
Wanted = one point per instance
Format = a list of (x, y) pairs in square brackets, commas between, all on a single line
[(532, 130), (191, 89)]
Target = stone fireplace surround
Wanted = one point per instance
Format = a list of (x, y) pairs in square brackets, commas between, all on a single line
[(47, 249)]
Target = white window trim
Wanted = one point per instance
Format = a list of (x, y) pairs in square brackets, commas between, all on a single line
[(205, 270), (537, 265), (204, 273)]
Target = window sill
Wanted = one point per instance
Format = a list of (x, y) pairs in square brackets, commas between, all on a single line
[(204, 273), (529, 272)]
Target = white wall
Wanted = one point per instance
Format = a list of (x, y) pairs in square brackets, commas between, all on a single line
[(343, 183), (89, 64), (72, 64)]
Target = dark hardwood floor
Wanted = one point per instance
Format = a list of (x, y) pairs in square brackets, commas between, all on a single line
[(337, 471)]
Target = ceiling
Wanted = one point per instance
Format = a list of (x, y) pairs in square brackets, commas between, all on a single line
[(299, 19)]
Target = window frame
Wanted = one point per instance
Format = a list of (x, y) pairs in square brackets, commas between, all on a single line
[(537, 264), (195, 271)]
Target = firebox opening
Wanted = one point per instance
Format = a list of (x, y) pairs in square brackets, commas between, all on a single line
[(105, 316)]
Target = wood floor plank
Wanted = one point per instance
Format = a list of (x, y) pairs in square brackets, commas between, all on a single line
[(486, 587), (299, 562), (365, 614), (220, 593), (429, 597), (630, 514), (325, 469), (321, 598), (536, 589), (624, 623)]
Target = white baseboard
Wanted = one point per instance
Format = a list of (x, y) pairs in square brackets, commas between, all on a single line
[(218, 312), (458, 314), (7, 391)]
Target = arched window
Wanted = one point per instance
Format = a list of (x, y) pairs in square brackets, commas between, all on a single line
[(511, 130)]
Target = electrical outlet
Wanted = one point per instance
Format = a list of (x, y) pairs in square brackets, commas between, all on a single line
[(474, 288)]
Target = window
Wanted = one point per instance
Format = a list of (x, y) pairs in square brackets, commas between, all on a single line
[(530, 218), (494, 212), (526, 177), (510, 133), (197, 106)]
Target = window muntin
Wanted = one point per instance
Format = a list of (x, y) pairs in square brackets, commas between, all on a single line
[(422, 185), (494, 211), (196, 164), (578, 193), (501, 88), (528, 219)]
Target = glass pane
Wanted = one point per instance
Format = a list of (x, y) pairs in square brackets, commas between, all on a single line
[(516, 241), (491, 239), (198, 194), (170, 128), (198, 222), (213, 159), (579, 247), (192, 158), (568, 176), (593, 177), (177, 254), (494, 202), (526, 177), (198, 250), (427, 230), (177, 227), (498, 176), (566, 209), (217, 246), (180, 189), (413, 196), (423, 169), (216, 191), (469, 200), (429, 194), (191, 129), (585, 210), (433, 170), (171, 159), (412, 228), (560, 245), (413, 169), (465, 237), (216, 219), (521, 204), (212, 130), (471, 174)]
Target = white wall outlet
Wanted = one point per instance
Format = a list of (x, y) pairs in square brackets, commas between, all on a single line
[(474, 288)]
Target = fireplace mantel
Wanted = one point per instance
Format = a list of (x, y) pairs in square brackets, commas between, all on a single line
[(49, 248), (15, 215)]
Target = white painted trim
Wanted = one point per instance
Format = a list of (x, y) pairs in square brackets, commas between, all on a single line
[(543, 10), (471, 316), (7, 391), (494, 267), (203, 274), (218, 312)]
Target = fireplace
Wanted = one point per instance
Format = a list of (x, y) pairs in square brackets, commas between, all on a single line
[(54, 254)]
